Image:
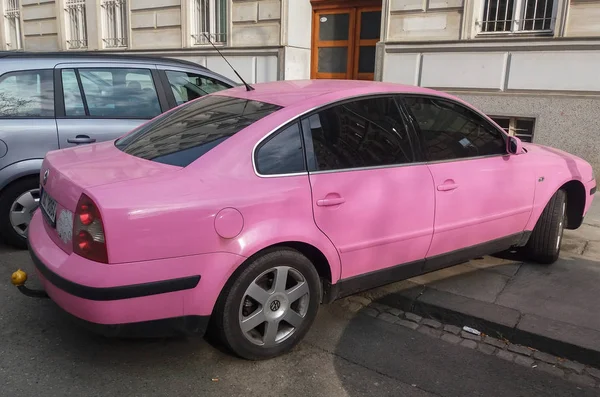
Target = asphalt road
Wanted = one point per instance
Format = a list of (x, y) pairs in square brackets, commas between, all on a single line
[(345, 354)]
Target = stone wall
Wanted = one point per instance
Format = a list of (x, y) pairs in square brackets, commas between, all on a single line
[(420, 20), (40, 25)]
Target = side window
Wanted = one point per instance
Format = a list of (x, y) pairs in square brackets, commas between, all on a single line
[(189, 86), (363, 133), (282, 153), (74, 106), (27, 94), (449, 131), (110, 93)]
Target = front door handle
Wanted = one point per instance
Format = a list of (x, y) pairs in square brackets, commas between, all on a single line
[(446, 187), (331, 202), (81, 139)]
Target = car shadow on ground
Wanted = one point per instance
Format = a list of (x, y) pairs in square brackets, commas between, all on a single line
[(344, 354)]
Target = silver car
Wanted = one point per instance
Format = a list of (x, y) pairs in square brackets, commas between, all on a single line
[(52, 101)]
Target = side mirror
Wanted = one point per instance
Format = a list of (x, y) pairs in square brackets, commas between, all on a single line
[(515, 146)]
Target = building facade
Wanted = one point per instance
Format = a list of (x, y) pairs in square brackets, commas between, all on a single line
[(533, 65)]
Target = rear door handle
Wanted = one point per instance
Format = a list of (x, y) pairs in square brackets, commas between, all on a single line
[(80, 139), (447, 187), (330, 202)]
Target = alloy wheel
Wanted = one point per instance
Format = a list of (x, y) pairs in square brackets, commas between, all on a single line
[(22, 209), (274, 306)]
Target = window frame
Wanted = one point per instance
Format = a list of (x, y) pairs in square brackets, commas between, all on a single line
[(273, 135), (54, 93), (484, 118), (516, 20), (106, 23), (15, 15), (83, 43), (193, 35), (59, 99)]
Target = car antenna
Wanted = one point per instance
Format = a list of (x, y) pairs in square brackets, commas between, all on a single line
[(248, 86)]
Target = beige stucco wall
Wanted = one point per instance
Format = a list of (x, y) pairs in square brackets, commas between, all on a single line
[(418, 20), (39, 24), (583, 19)]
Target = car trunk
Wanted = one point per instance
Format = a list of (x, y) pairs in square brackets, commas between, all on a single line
[(67, 174)]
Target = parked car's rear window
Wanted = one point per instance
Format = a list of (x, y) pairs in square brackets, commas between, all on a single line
[(182, 136)]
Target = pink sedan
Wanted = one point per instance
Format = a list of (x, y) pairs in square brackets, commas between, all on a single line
[(251, 208)]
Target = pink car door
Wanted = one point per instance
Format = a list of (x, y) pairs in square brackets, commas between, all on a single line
[(369, 196), (483, 196)]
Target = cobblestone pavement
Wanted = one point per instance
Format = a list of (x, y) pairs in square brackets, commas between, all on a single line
[(502, 349)]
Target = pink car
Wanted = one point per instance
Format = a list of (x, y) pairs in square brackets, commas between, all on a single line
[(251, 208)]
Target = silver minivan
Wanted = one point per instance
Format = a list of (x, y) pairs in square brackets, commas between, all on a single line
[(52, 101)]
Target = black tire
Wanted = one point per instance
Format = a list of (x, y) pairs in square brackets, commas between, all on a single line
[(9, 195), (544, 243), (226, 315)]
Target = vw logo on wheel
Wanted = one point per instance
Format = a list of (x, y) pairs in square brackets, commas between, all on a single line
[(46, 177), (275, 305)]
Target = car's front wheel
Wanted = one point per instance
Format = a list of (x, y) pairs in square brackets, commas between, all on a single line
[(18, 202), (269, 306), (544, 243)]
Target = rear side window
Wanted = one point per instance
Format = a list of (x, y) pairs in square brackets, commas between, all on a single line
[(363, 133), (185, 134), (27, 94), (282, 154), (110, 93)]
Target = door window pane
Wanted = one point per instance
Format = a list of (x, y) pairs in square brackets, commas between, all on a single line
[(333, 60), (27, 94), (282, 154), (363, 133), (120, 93), (189, 86), (450, 131), (366, 59), (370, 25), (333, 27), (72, 94)]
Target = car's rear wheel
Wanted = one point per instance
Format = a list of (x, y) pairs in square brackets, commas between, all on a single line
[(270, 306), (544, 243), (18, 202)]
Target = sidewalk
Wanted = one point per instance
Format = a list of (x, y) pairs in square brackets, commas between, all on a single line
[(555, 309)]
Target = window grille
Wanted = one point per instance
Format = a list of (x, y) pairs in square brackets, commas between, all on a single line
[(517, 16), (12, 13), (520, 127), (114, 23), (209, 17), (77, 37)]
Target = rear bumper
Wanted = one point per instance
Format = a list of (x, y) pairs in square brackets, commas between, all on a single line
[(148, 298), (182, 325)]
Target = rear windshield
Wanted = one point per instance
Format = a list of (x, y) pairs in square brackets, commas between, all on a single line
[(185, 134)]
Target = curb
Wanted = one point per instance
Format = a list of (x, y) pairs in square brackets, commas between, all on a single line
[(549, 336)]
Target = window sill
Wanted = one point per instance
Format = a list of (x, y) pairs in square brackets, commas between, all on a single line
[(521, 34)]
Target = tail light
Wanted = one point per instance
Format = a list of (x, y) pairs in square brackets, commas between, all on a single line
[(88, 231)]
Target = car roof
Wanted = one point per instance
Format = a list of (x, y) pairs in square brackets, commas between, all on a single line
[(82, 56), (320, 92)]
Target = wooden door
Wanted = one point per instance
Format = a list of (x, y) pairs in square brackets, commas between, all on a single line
[(368, 25), (344, 40), (333, 49)]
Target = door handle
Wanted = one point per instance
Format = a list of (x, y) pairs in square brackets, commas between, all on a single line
[(447, 187), (80, 139), (331, 202)]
